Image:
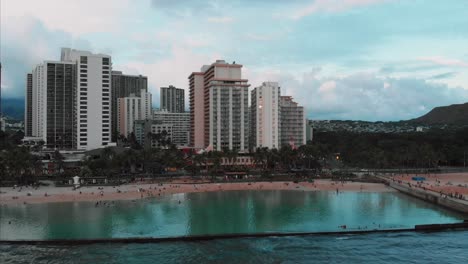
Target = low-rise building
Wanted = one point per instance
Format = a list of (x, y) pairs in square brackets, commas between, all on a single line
[(180, 125), (152, 133)]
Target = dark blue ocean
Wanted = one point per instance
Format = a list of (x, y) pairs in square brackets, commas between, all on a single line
[(440, 247)]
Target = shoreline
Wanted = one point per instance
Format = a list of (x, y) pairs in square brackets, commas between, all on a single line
[(10, 196)]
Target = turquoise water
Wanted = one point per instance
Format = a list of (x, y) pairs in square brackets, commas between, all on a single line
[(219, 213)]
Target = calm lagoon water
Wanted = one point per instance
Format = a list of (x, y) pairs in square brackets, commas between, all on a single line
[(219, 213)]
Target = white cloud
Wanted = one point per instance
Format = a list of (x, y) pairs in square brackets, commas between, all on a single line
[(362, 96), (74, 16), (327, 87), (220, 20), (443, 61), (331, 6)]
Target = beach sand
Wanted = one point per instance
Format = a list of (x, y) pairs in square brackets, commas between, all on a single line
[(446, 183), (145, 190)]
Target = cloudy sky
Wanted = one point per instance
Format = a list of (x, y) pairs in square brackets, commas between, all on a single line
[(341, 59)]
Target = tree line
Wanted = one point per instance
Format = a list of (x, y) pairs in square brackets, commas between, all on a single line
[(328, 150)]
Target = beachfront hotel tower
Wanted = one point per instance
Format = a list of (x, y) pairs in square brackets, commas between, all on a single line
[(264, 112), (93, 97), (172, 99), (292, 122), (219, 114), (28, 111), (50, 112)]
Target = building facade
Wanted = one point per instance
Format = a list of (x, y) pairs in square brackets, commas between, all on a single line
[(180, 125), (223, 122), (265, 123), (123, 86), (147, 131), (93, 97), (309, 132), (292, 123), (28, 111), (50, 104), (172, 99), (197, 110), (131, 109)]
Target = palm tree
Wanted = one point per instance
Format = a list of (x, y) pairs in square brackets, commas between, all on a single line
[(20, 163), (58, 159)]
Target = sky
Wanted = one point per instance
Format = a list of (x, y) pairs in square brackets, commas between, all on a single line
[(369, 60)]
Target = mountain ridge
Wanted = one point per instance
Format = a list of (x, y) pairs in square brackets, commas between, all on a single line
[(455, 114)]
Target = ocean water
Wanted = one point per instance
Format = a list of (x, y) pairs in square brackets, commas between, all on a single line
[(236, 212), (412, 247), (220, 213)]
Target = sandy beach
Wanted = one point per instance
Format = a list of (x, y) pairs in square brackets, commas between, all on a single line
[(449, 183), (144, 190)]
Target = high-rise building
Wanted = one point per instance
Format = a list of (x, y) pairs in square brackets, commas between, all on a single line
[(93, 97), (28, 111), (2, 121), (309, 131), (1, 112), (124, 85), (197, 110), (131, 109), (265, 116), (223, 94), (180, 125), (50, 104), (292, 122), (172, 99)]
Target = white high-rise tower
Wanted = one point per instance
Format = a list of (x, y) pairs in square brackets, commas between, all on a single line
[(93, 93), (265, 116)]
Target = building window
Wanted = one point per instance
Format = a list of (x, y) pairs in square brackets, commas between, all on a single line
[(83, 59)]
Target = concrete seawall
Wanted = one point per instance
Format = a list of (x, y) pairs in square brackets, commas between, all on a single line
[(433, 197)]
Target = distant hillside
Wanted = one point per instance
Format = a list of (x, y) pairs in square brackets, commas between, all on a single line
[(13, 108), (456, 114)]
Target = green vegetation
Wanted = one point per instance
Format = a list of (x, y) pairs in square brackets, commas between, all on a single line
[(330, 150), (404, 150)]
